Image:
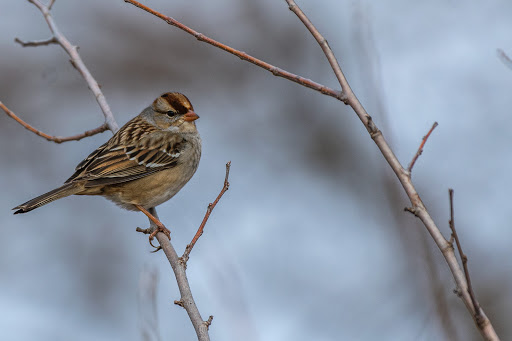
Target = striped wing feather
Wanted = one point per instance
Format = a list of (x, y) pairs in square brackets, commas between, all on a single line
[(115, 162)]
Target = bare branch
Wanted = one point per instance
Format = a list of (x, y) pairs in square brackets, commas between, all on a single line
[(147, 304), (209, 210), (56, 139), (464, 259), (45, 42), (242, 55), (504, 58), (418, 208), (420, 149), (77, 62), (187, 301)]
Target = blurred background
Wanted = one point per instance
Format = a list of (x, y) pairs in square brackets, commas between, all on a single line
[(311, 241)]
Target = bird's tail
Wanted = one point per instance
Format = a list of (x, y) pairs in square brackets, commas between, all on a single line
[(61, 192)]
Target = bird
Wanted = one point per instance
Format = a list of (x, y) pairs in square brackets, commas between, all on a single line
[(142, 165)]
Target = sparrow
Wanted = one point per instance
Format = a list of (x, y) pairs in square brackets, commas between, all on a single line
[(143, 165)]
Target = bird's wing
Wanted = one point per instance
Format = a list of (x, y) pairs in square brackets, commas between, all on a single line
[(115, 163)]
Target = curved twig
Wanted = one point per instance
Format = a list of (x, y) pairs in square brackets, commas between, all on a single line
[(242, 55), (76, 61), (35, 43), (420, 148), (209, 210), (56, 139)]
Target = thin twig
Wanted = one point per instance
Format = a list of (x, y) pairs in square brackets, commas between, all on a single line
[(179, 268), (77, 62), (464, 259), (56, 139), (242, 55), (45, 42), (209, 210), (208, 323), (504, 58), (420, 149)]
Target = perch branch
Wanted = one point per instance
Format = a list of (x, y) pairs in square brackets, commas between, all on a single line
[(76, 61), (464, 260), (179, 268), (242, 55), (209, 210), (56, 139), (420, 149)]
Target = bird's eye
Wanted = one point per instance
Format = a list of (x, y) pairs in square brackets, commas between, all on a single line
[(171, 113)]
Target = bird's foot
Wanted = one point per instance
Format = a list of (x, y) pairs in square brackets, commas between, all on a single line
[(159, 228)]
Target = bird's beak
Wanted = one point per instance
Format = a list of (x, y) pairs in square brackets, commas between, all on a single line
[(191, 116)]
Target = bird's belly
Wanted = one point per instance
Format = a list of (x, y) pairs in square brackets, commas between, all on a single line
[(149, 191)]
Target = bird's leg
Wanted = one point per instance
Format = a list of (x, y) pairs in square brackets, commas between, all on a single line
[(158, 223)]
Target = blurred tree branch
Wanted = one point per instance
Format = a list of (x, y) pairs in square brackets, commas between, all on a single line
[(504, 58), (348, 97), (56, 139), (76, 60)]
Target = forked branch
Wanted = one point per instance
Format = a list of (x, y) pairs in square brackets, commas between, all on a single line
[(76, 60), (186, 300)]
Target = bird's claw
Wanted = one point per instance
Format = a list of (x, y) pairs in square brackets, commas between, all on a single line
[(162, 229)]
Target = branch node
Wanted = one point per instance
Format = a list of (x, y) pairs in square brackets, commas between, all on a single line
[(145, 231), (180, 303), (209, 322), (274, 70), (413, 210), (342, 96), (372, 128), (184, 259), (457, 292)]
